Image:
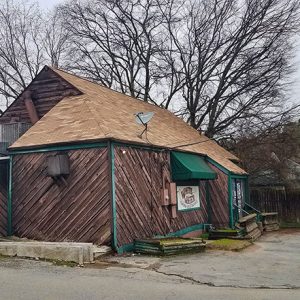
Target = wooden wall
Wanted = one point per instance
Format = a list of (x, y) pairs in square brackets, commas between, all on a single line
[(219, 199), (285, 202), (78, 211), (4, 166), (47, 90), (3, 211), (138, 180)]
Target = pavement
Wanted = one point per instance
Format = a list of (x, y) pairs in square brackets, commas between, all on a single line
[(270, 269)]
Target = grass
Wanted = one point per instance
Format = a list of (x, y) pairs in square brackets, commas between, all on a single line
[(178, 241), (227, 230), (204, 236), (228, 245)]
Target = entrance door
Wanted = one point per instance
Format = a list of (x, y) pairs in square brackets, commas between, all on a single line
[(238, 195)]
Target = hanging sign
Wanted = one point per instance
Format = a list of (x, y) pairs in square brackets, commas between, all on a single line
[(188, 197)]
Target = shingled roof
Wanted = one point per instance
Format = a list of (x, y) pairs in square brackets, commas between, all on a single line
[(101, 113)]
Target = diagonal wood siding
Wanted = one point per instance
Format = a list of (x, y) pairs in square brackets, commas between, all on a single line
[(78, 211), (47, 90), (3, 211), (219, 199), (138, 179)]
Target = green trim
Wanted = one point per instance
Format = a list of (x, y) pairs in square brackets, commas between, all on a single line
[(189, 209), (113, 198), (130, 247), (126, 248), (224, 170), (233, 176), (143, 147), (59, 148), (208, 202), (187, 166), (230, 206), (186, 230), (9, 198)]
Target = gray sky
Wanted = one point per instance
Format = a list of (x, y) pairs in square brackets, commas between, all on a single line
[(49, 3)]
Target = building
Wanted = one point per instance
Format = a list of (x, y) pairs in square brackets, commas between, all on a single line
[(85, 170)]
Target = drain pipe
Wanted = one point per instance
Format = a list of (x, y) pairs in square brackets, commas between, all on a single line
[(31, 110)]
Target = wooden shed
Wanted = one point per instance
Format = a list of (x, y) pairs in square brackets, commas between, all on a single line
[(83, 172)]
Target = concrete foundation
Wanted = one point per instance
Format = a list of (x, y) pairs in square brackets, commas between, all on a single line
[(76, 252)]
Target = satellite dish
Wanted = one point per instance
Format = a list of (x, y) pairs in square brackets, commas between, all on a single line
[(143, 118)]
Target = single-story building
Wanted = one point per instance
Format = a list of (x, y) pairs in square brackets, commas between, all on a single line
[(87, 170)]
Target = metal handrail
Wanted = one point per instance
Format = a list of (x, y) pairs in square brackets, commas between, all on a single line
[(241, 209), (252, 208)]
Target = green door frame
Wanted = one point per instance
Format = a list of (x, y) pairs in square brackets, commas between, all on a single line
[(231, 177)]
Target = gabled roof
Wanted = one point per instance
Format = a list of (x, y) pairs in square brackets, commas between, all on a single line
[(101, 113)]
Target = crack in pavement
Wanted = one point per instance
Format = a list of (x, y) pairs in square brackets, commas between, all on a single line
[(211, 284), (195, 281), (155, 268)]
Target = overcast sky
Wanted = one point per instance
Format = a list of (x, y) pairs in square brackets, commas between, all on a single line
[(48, 3), (295, 88)]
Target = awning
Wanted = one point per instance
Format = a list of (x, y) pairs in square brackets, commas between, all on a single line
[(186, 166)]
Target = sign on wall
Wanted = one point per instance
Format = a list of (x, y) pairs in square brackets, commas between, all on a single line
[(188, 197)]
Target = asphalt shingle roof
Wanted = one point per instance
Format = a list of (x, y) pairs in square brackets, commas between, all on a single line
[(101, 113)]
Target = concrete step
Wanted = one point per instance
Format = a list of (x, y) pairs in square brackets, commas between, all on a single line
[(66, 251)]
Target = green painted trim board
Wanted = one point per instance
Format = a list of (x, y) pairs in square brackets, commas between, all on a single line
[(59, 148), (230, 206), (113, 196)]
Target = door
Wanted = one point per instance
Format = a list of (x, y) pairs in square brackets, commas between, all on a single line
[(238, 195)]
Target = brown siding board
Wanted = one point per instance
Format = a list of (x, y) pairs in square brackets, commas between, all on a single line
[(65, 207), (79, 211), (3, 211), (47, 90), (219, 199), (138, 178)]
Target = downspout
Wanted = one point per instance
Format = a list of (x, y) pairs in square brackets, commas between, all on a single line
[(113, 196), (30, 107)]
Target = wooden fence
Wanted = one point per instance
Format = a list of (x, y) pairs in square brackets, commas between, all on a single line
[(286, 203)]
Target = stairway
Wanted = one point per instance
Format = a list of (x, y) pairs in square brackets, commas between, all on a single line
[(249, 226)]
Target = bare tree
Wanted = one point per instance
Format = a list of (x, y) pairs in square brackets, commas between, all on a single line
[(223, 65), (21, 54), (55, 40), (233, 57), (117, 43), (272, 153)]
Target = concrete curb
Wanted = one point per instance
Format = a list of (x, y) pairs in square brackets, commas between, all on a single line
[(76, 252)]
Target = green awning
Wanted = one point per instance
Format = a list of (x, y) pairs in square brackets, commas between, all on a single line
[(186, 166)]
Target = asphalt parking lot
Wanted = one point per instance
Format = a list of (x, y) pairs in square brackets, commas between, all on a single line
[(270, 269)]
